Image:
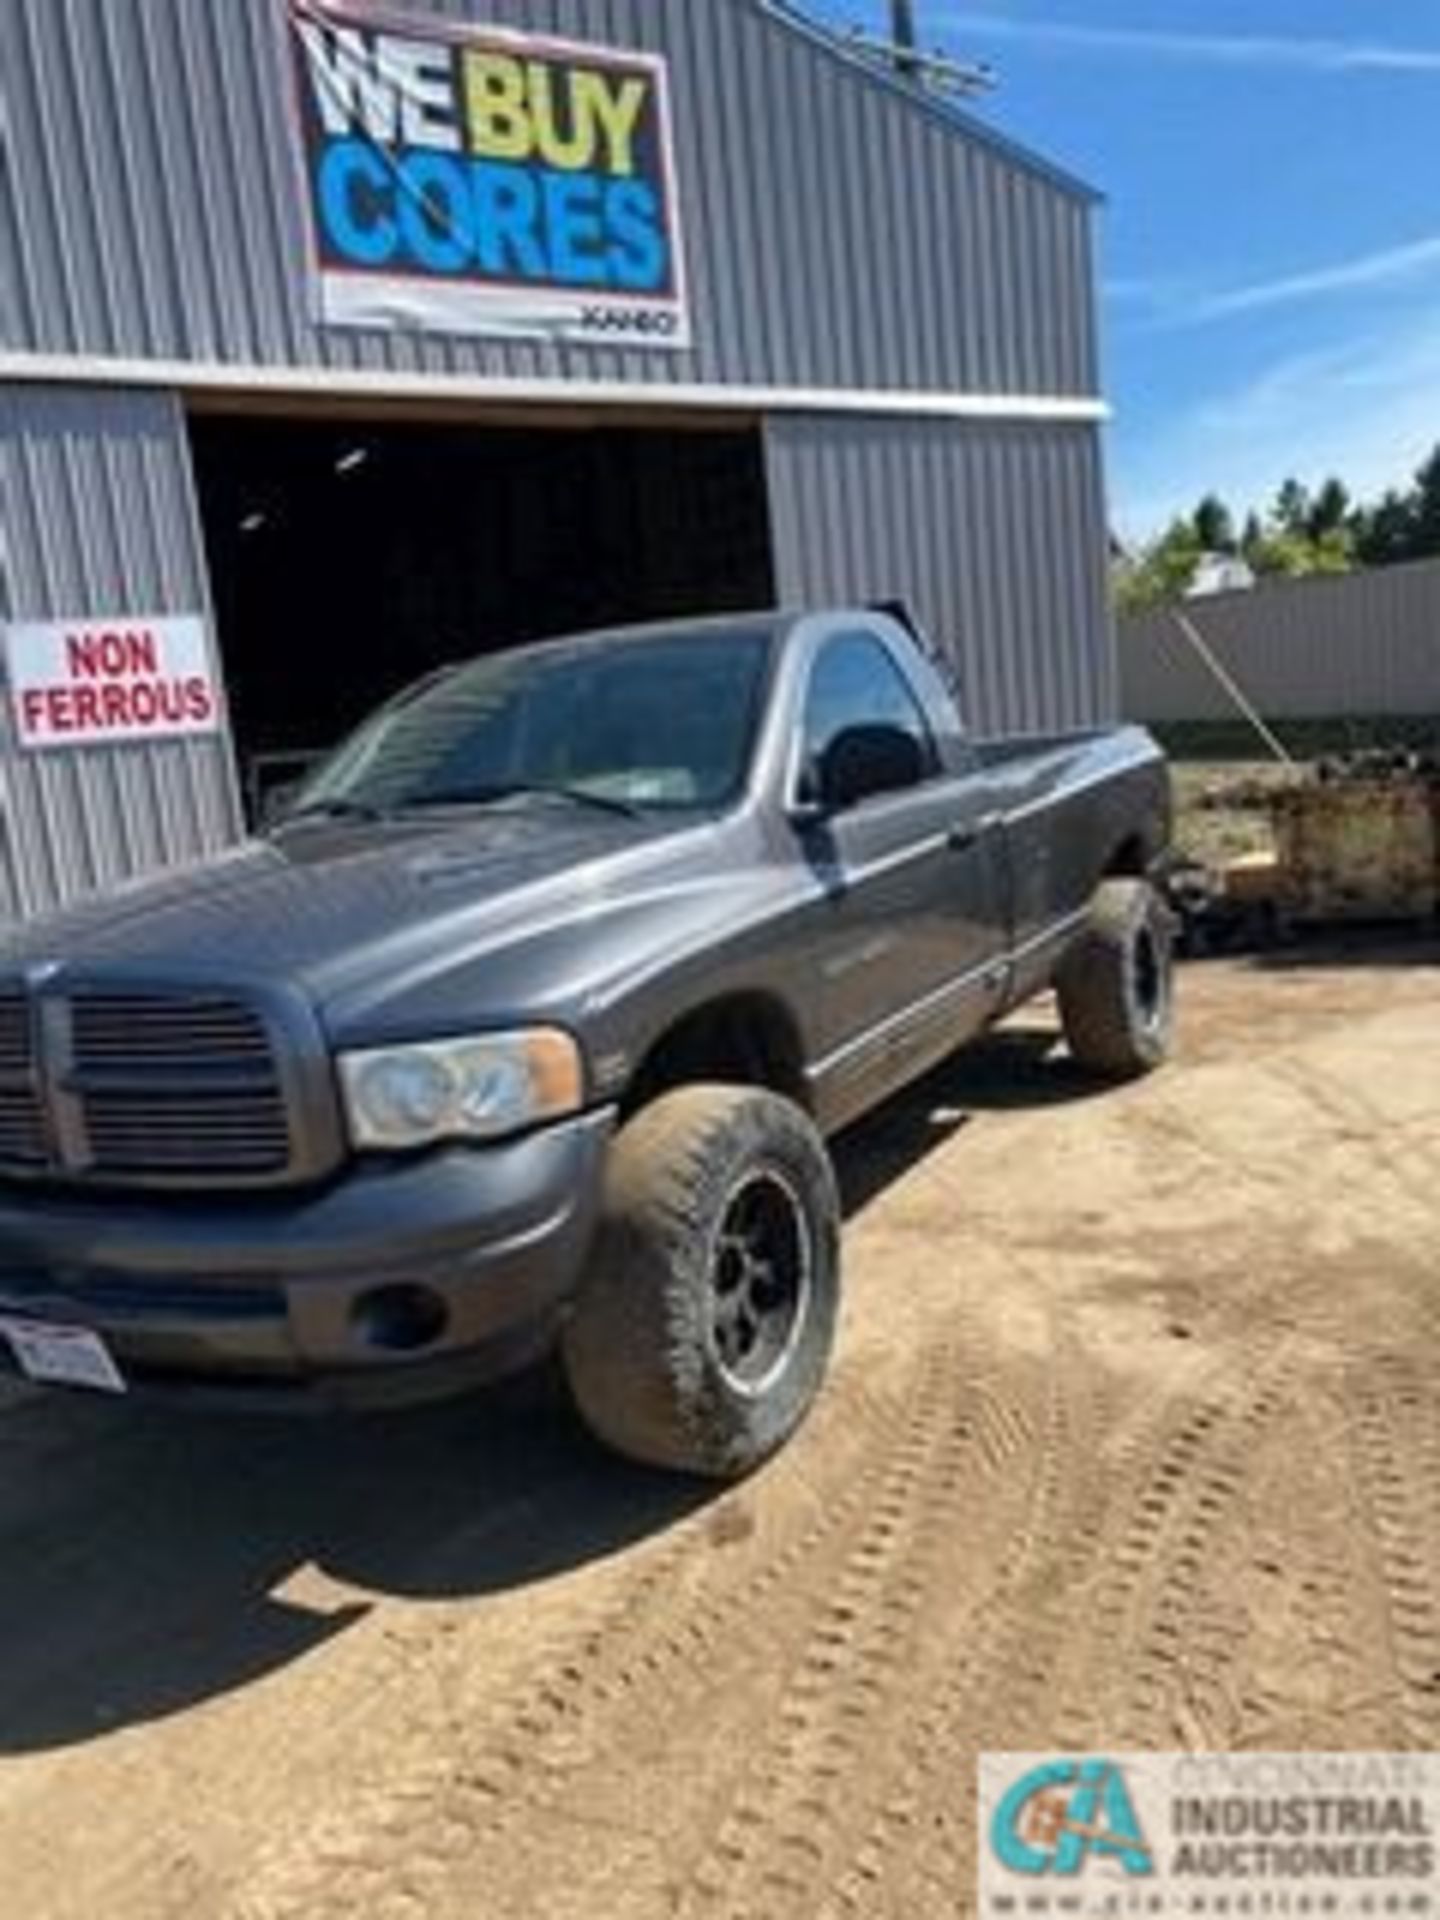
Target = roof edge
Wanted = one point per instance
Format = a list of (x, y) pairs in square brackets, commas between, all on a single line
[(787, 15), (322, 378)]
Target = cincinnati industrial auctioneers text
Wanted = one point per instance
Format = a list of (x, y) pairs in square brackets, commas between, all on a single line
[(1342, 1836)]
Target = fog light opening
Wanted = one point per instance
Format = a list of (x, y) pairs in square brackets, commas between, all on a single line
[(403, 1319)]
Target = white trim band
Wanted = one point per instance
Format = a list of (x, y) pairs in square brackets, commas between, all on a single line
[(383, 384)]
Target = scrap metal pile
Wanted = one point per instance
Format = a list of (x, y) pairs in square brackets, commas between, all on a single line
[(1356, 840)]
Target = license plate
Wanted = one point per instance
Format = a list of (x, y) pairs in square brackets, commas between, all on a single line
[(62, 1356)]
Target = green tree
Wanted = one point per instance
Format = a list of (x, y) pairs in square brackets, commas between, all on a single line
[(1326, 532), (1214, 527), (1279, 554), (1291, 512), (1425, 524), (1385, 534), (1333, 552), (1329, 510), (1164, 571)]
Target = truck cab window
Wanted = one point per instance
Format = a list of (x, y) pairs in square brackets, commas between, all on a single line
[(856, 684)]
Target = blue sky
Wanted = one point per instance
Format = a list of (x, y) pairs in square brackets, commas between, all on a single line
[(1271, 248)]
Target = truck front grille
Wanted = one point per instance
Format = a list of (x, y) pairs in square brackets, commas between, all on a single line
[(22, 1114), (139, 1031), (177, 1084), (129, 1085)]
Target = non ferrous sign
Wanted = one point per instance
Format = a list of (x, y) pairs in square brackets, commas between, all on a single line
[(85, 683)]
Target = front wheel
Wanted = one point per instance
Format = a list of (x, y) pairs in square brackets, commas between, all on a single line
[(702, 1333), (1116, 986)]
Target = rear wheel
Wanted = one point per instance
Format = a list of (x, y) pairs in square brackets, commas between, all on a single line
[(1116, 986), (702, 1333)]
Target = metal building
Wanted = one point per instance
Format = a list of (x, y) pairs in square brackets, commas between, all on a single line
[(1354, 647), (337, 341)]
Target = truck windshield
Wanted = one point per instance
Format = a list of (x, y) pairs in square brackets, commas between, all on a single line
[(633, 723)]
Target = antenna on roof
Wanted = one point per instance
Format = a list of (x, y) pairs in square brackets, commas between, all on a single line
[(902, 31), (903, 54)]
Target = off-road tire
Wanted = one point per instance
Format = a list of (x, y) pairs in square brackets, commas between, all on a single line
[(1116, 986), (642, 1348)]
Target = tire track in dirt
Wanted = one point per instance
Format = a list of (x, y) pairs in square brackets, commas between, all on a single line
[(1393, 1430), (1359, 1119), (1162, 1600), (836, 1720), (915, 1843), (1169, 1126), (649, 1658), (1157, 1602), (1049, 1625)]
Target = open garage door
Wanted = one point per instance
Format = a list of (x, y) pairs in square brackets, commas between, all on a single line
[(348, 559)]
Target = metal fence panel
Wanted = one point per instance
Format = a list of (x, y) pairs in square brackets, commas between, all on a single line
[(1364, 644)]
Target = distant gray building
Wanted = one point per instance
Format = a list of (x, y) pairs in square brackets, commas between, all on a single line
[(1361, 646), (337, 342)]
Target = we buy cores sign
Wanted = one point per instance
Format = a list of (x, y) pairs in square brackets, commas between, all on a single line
[(82, 683)]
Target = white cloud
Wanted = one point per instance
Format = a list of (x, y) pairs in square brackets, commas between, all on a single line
[(1147, 294), (1252, 50), (1368, 411), (1390, 266)]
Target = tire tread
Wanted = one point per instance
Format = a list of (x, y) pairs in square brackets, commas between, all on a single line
[(636, 1347), (1095, 1006)]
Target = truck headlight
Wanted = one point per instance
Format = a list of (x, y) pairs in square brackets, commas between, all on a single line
[(472, 1089)]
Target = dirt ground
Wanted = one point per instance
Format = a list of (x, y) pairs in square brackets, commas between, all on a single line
[(1134, 1441)]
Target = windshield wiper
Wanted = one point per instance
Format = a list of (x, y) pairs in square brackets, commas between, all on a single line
[(332, 810), (521, 790)]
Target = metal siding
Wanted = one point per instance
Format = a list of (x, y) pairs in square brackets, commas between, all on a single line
[(840, 231), (994, 534), (96, 517), (1365, 644)]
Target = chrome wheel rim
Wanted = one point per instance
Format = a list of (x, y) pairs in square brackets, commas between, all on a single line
[(761, 1278)]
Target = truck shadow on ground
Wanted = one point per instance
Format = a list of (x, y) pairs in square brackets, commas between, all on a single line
[(152, 1560), (1321, 948), (1013, 1068), (1364, 946)]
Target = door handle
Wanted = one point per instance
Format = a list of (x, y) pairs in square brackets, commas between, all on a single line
[(967, 834)]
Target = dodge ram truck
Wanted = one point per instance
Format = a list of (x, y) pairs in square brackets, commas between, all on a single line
[(527, 1023)]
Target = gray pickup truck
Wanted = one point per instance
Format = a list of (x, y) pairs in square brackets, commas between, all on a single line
[(528, 1022)]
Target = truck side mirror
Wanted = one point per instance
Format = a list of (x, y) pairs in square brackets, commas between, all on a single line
[(863, 762), (277, 802)]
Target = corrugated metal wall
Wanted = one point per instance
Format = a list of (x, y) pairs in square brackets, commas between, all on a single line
[(1366, 644), (97, 517), (840, 232), (995, 536)]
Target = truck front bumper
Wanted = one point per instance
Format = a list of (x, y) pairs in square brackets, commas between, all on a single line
[(402, 1281)]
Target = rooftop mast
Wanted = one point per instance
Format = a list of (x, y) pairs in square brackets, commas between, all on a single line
[(902, 54)]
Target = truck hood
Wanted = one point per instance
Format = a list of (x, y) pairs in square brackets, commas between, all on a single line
[(376, 923)]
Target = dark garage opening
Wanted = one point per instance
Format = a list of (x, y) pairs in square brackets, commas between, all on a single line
[(347, 560)]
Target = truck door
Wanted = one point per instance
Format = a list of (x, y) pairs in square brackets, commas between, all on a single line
[(905, 939)]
